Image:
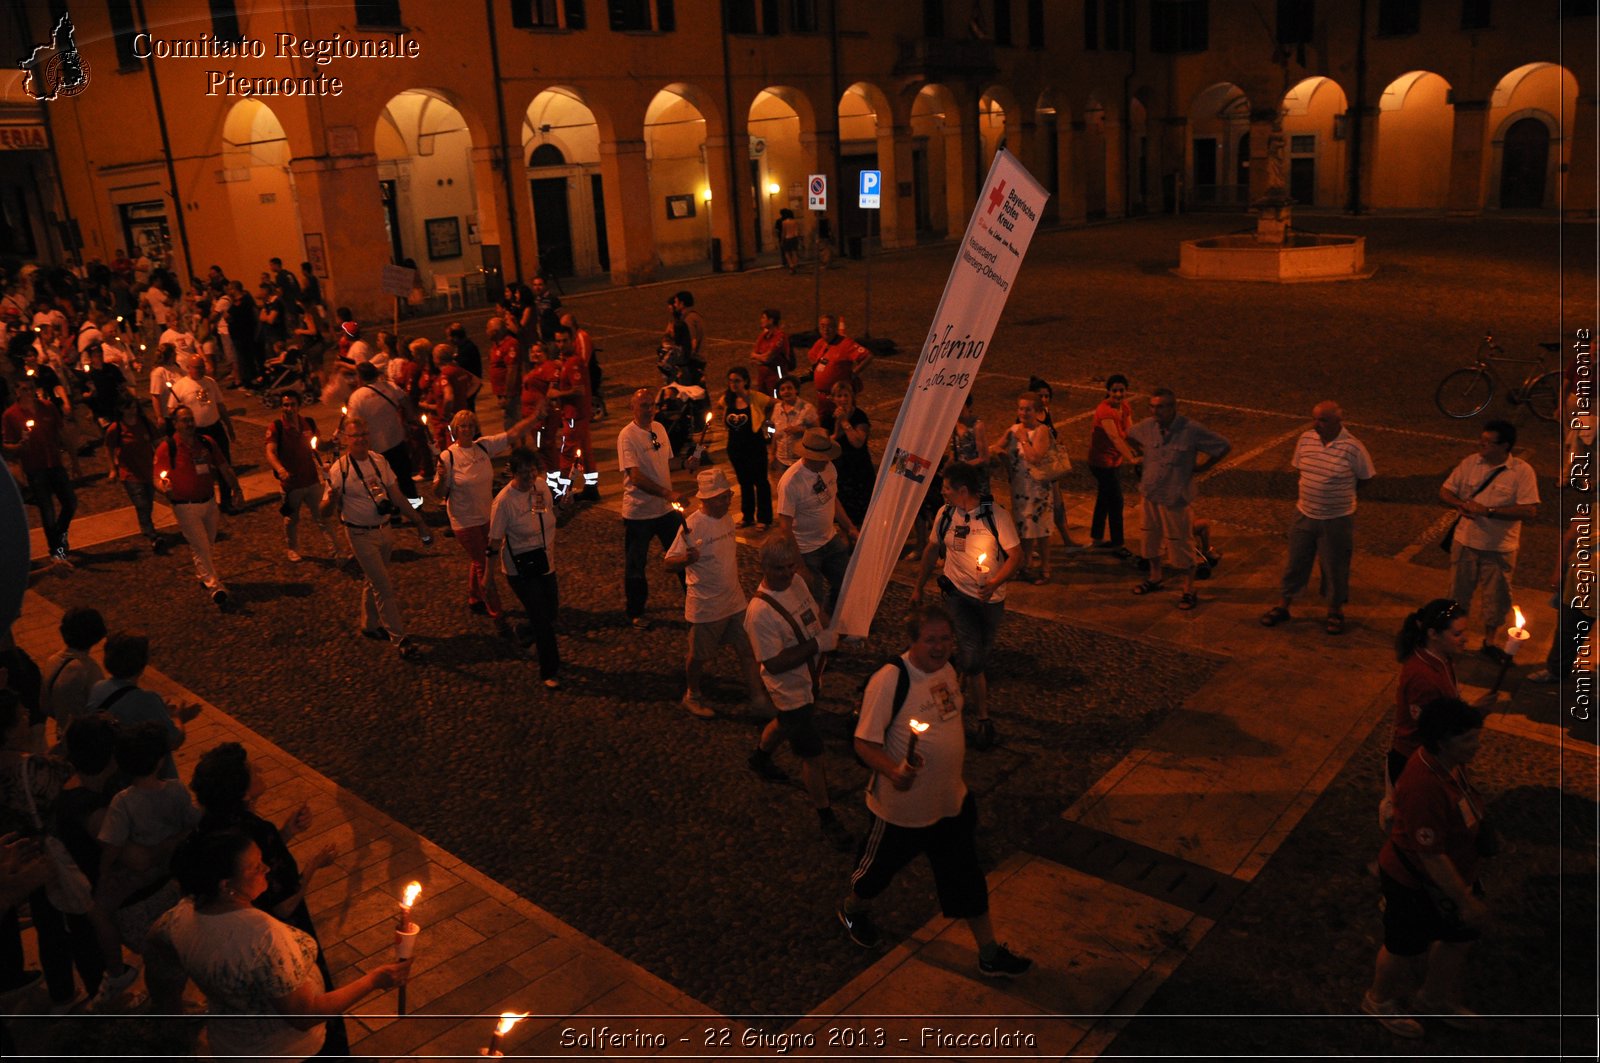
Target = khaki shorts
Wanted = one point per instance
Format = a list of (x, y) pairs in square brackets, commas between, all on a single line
[(706, 639), (1173, 526)]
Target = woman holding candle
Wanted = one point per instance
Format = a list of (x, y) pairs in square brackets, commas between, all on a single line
[(227, 787), (1428, 640), (1024, 443), (259, 974), (744, 415), (1432, 907), (522, 530)]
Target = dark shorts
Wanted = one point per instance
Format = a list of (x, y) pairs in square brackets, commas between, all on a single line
[(799, 728), (1412, 923)]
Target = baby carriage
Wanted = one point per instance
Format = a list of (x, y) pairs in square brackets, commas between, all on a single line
[(281, 377)]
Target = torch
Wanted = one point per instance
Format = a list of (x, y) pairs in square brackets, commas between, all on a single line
[(917, 730), (508, 1020), (405, 932), (705, 428)]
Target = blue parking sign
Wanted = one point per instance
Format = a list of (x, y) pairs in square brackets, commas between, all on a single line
[(871, 183)]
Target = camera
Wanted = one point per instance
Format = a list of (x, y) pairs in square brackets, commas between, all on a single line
[(385, 507)]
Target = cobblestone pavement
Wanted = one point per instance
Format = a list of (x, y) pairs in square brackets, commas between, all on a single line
[(1249, 361)]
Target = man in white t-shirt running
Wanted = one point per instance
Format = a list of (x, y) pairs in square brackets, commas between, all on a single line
[(918, 797), (789, 635), (651, 509), (714, 602)]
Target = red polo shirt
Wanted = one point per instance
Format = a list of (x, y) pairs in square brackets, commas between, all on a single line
[(1435, 812), (42, 443), (1423, 678), (192, 471)]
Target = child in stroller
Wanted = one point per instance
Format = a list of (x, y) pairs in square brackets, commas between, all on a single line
[(285, 372)]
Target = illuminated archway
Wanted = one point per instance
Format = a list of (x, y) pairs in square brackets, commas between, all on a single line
[(779, 120), (1312, 115), (1530, 144), (675, 151), (561, 152), (426, 179), (260, 190), (1411, 163)]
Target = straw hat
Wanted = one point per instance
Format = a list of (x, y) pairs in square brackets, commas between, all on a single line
[(712, 482), (818, 445)]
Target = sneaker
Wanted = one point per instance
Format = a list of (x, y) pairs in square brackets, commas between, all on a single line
[(696, 707), (220, 597), (838, 835), (983, 735), (589, 494), (761, 763), (859, 925), (60, 560), (1388, 1012), (1003, 964), (293, 555), (1456, 1016), (113, 985)]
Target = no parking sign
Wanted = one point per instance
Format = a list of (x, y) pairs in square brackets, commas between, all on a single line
[(817, 192)]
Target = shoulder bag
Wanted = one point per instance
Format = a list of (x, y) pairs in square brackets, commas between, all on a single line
[(1449, 539)]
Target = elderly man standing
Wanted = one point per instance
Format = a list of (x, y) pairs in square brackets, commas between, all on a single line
[(1494, 492), (834, 357), (362, 488), (651, 509), (1332, 464), (1170, 448)]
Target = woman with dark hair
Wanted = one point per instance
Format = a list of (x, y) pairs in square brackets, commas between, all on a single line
[(265, 995), (227, 787), (771, 358), (1432, 908), (849, 425), (744, 415), (522, 530), (1108, 449), (1427, 641)]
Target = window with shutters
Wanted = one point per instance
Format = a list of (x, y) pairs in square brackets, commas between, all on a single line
[(1399, 18), (547, 14), (123, 31), (803, 16)]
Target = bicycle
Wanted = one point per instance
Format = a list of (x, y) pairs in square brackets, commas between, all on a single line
[(1465, 392)]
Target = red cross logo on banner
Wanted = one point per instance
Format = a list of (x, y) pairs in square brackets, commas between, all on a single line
[(997, 196)]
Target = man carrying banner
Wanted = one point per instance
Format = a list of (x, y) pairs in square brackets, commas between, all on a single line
[(979, 544), (809, 510)]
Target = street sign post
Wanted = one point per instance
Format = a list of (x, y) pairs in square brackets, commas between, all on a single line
[(870, 194), (817, 192)]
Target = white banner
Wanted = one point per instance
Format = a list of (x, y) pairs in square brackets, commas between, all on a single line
[(991, 253)]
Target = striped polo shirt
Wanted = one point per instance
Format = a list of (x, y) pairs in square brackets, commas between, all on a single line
[(1328, 473)]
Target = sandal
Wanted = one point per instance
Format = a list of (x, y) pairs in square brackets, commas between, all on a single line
[(1275, 616), (1334, 624), (1149, 586), (1188, 600)]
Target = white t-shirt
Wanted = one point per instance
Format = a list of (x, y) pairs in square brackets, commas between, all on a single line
[(467, 474), (203, 398), (183, 341), (379, 406), (648, 450), (933, 698), (801, 415), (770, 634), (1517, 486), (809, 498), (714, 592), (161, 379), (244, 960), (968, 537), (526, 520), (219, 312), (356, 483)]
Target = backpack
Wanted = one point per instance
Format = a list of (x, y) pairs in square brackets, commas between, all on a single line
[(986, 515)]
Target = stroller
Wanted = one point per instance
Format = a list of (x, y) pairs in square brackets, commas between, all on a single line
[(682, 405), (286, 376)]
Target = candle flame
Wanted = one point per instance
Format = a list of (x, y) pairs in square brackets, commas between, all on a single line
[(424, 418), (508, 1020), (708, 418), (678, 506), (412, 890), (30, 424), (344, 411), (1517, 625), (918, 727), (313, 442), (578, 453), (982, 558)]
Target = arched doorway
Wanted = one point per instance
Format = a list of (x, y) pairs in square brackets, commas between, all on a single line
[(1316, 155), (935, 161), (778, 160), (561, 143), (1525, 154), (1416, 122), (1093, 157), (425, 179), (675, 151), (1219, 148), (1530, 110), (991, 129), (1047, 131), (863, 113), (260, 189)]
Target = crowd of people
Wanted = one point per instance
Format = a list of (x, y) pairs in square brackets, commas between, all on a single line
[(125, 359)]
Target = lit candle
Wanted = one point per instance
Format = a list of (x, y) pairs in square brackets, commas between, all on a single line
[(1516, 634), (405, 934), (981, 566), (678, 506), (508, 1020), (29, 426), (344, 411), (407, 902), (911, 745), (424, 420)]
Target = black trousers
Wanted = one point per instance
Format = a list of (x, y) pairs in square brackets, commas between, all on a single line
[(65, 942), (636, 536), (1107, 504), (399, 459), (755, 490), (540, 598)]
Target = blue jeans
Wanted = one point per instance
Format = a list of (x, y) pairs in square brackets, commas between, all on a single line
[(142, 495), (52, 487), (827, 564)]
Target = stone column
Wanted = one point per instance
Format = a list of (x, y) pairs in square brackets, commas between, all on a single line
[(630, 227), (897, 214), (1468, 159), (1116, 167), (338, 197), (1368, 118), (1069, 168), (729, 205), (494, 218)]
